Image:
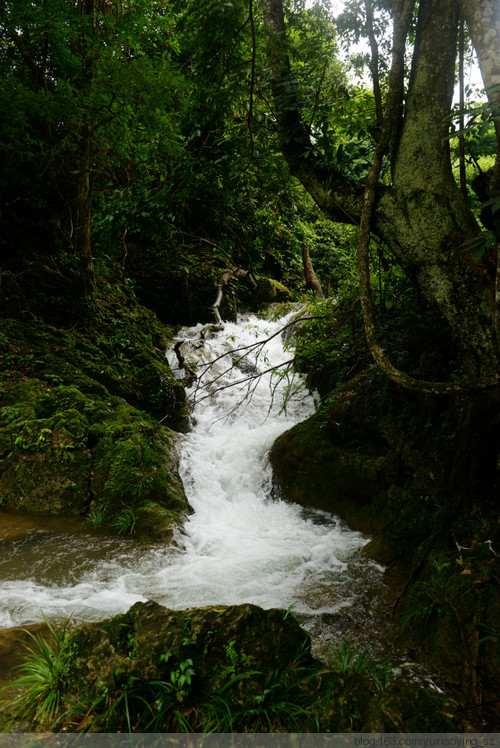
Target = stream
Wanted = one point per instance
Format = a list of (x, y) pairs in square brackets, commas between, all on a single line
[(241, 544)]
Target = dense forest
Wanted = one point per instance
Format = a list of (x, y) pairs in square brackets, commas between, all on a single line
[(171, 163)]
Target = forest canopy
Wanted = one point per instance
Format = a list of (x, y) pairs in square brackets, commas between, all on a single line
[(179, 137)]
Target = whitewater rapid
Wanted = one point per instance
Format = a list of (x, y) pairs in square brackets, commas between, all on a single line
[(241, 544)]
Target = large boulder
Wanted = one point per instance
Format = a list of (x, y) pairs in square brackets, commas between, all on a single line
[(220, 669), (180, 660), (87, 419), (339, 459), (270, 291), (65, 452)]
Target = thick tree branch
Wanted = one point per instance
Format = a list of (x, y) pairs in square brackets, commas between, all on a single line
[(428, 220), (337, 196), (422, 216), (24, 52)]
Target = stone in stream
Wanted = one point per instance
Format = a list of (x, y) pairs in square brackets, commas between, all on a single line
[(238, 668)]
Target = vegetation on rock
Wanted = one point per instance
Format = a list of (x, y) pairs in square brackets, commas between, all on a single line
[(146, 150), (79, 431), (216, 669), (407, 469)]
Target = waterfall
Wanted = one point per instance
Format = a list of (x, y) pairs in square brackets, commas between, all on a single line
[(241, 544)]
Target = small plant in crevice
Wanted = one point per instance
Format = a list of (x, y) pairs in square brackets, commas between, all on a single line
[(237, 659), (346, 659), (126, 521), (180, 677)]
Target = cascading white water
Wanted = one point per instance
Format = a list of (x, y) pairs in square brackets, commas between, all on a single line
[(239, 545)]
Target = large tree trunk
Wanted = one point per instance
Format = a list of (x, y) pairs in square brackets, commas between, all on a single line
[(422, 216), (429, 220)]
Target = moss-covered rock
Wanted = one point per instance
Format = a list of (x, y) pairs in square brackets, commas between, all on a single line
[(88, 457), (225, 669), (79, 418), (270, 291)]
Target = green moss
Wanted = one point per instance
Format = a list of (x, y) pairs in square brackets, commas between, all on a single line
[(130, 468), (271, 291), (156, 521), (225, 669), (79, 415)]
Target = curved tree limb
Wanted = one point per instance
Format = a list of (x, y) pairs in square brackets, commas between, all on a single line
[(224, 279)]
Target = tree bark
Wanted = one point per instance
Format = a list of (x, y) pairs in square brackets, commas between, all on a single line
[(422, 216), (429, 219), (483, 21)]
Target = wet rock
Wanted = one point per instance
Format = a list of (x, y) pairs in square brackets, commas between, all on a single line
[(157, 522), (229, 669), (151, 644), (79, 431), (269, 291), (335, 460)]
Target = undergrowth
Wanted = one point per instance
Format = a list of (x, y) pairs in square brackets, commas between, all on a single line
[(292, 698)]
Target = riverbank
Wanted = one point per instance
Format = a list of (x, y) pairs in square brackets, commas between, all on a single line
[(62, 374)]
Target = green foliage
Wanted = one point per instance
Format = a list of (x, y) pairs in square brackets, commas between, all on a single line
[(174, 104), (329, 346), (112, 75), (96, 517), (280, 706), (347, 659), (126, 520), (67, 442), (42, 679), (479, 128), (238, 660), (135, 706)]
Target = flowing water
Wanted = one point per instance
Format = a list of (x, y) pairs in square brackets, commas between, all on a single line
[(241, 544)]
